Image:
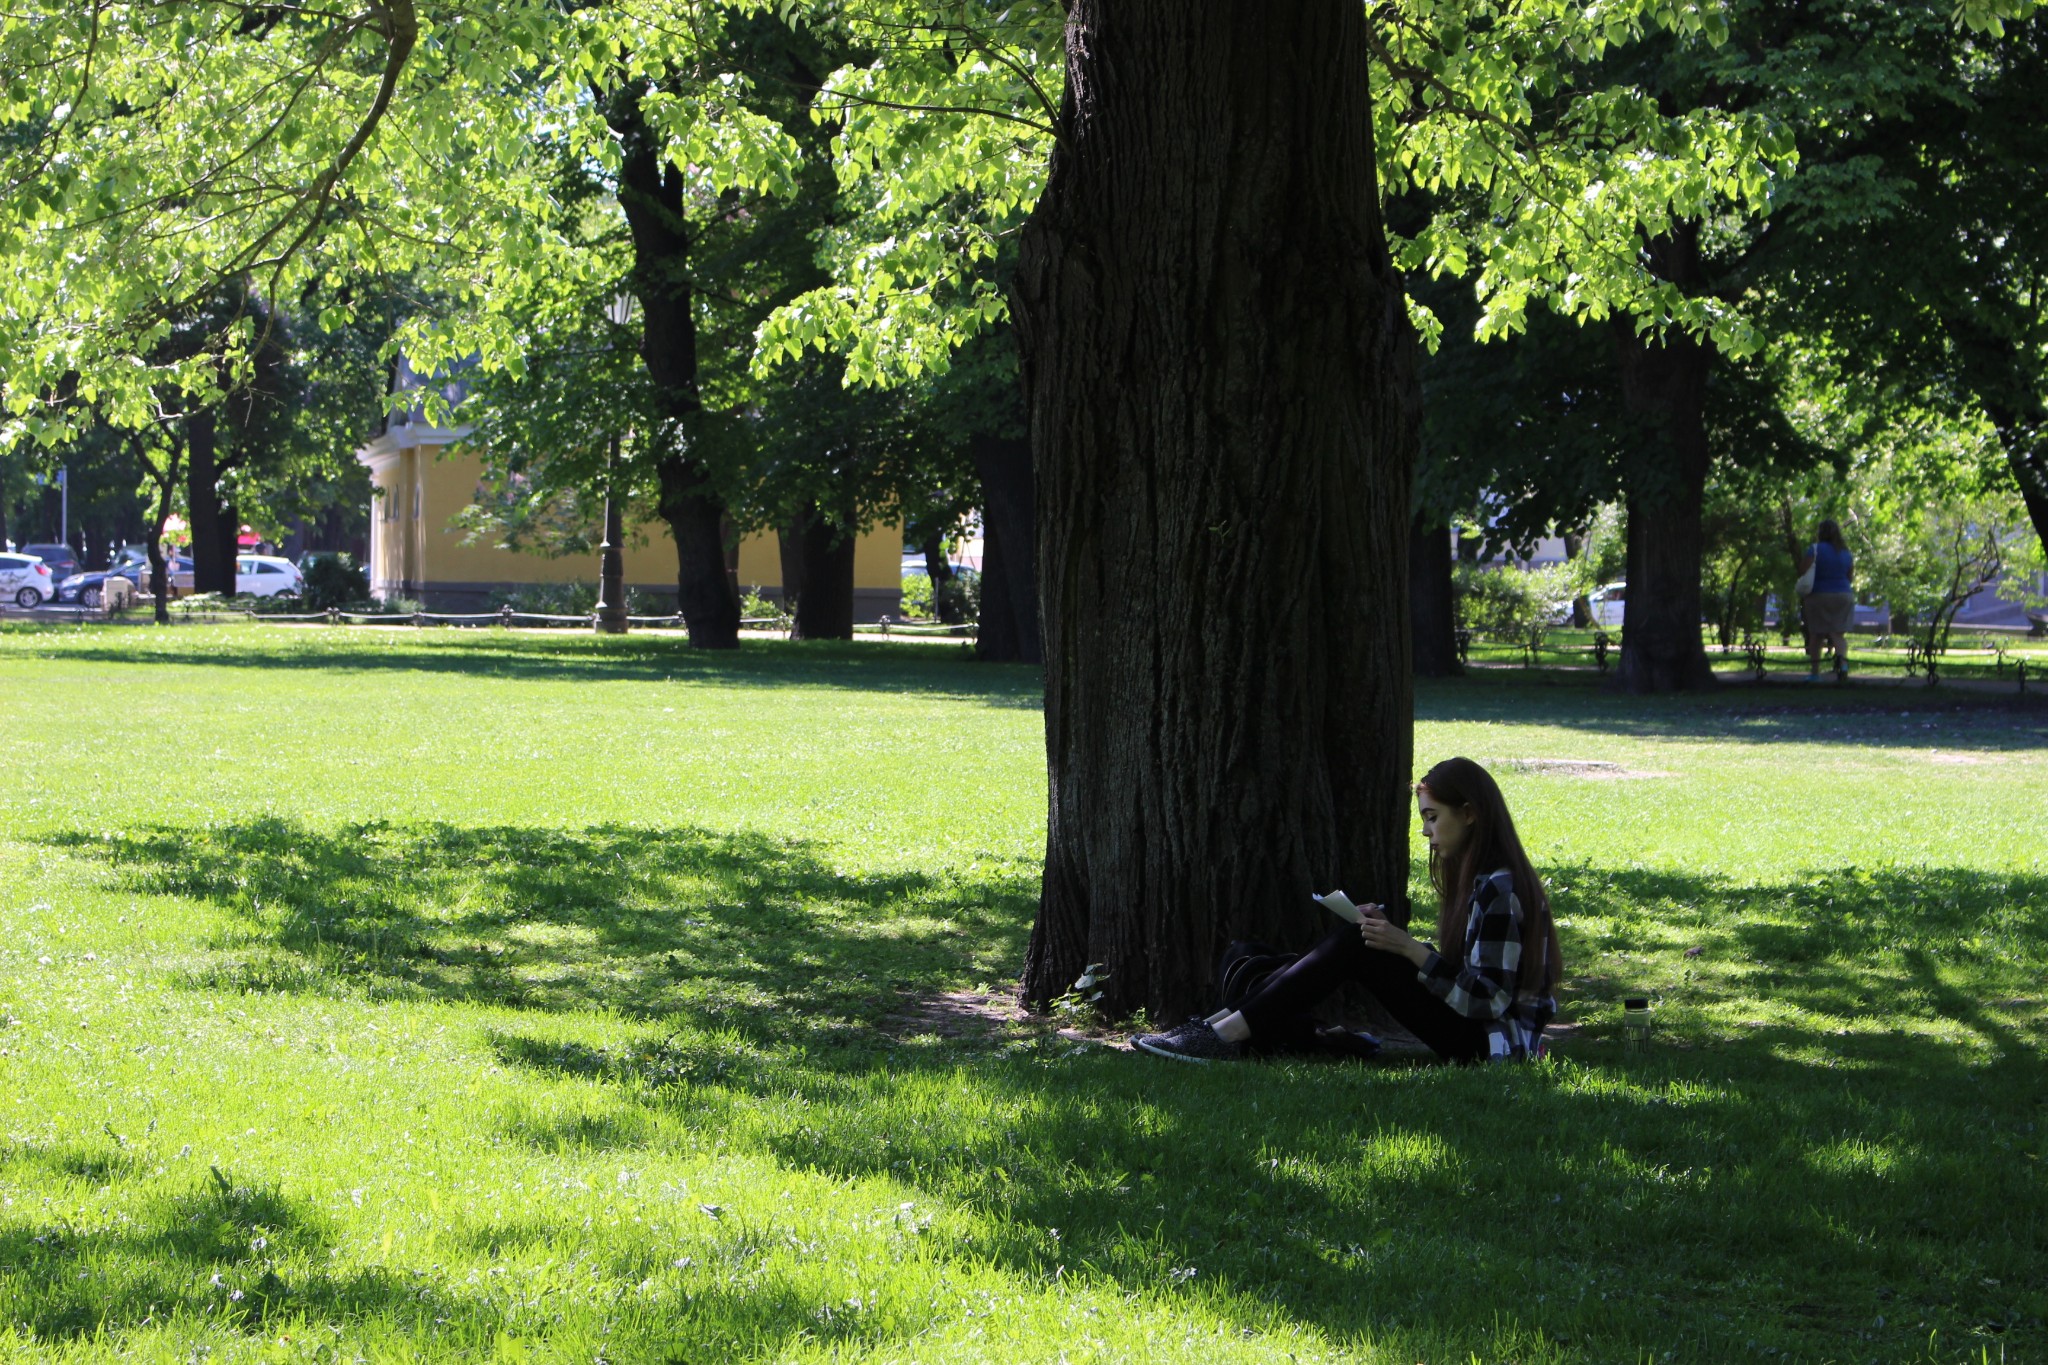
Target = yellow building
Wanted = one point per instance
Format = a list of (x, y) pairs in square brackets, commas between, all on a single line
[(423, 478)]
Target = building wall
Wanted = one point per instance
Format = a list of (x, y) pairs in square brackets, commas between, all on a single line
[(423, 479)]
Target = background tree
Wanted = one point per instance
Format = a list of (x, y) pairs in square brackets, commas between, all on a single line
[(1956, 163)]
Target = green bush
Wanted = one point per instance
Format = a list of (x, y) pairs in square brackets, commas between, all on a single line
[(755, 607), (333, 581), (576, 599), (964, 592), (1502, 604)]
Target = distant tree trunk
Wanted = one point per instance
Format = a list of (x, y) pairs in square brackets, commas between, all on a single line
[(165, 479), (1432, 602), (1665, 382), (1214, 343), (789, 550), (1009, 563), (1791, 607), (945, 590), (704, 594), (651, 196), (2027, 455), (231, 544), (211, 571), (1582, 606), (824, 609)]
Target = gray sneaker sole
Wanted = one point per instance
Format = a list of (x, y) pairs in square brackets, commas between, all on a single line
[(1148, 1044)]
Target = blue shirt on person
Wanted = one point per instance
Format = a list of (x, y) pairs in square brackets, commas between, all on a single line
[(1830, 568)]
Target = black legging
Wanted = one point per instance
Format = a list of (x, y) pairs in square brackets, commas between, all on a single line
[(1278, 1012)]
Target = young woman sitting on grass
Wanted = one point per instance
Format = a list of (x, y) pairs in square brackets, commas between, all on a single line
[(1489, 1002)]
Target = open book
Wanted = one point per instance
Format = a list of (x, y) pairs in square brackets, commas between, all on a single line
[(1339, 904)]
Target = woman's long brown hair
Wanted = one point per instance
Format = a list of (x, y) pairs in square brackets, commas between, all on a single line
[(1492, 843)]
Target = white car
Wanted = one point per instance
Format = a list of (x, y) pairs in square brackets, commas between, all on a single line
[(267, 576), (25, 580), (1607, 602)]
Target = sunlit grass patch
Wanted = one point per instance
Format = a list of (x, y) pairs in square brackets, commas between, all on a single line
[(546, 1000)]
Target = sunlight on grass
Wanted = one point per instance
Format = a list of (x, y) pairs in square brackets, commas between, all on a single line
[(444, 996)]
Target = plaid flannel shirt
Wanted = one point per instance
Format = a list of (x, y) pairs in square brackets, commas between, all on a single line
[(1483, 983)]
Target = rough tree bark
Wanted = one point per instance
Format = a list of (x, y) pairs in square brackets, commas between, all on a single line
[(1664, 381), (1214, 343), (1432, 604), (1009, 574), (651, 196)]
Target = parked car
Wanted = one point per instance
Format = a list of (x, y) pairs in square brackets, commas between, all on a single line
[(89, 589), (62, 559), (267, 576), (138, 573), (1608, 602), (26, 580)]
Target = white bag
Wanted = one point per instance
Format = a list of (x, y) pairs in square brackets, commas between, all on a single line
[(1805, 584)]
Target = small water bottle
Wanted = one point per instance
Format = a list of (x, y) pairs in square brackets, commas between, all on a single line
[(1635, 1022)]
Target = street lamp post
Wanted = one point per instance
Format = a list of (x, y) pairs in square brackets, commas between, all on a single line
[(611, 570)]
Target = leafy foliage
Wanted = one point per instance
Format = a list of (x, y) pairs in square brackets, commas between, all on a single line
[(334, 580)]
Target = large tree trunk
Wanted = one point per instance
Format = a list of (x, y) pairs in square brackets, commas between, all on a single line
[(1009, 534), (651, 196), (1665, 381), (1213, 340), (1432, 604), (824, 606), (212, 571)]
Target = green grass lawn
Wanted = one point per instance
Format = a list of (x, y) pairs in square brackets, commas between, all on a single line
[(457, 995)]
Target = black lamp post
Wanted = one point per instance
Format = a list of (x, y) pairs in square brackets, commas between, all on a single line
[(611, 571)]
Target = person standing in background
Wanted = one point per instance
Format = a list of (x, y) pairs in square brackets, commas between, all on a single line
[(1831, 606)]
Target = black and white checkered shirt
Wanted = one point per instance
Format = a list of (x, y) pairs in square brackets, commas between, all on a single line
[(1484, 982)]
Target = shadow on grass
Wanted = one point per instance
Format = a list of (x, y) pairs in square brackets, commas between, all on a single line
[(1844, 1174), (247, 1257), (1766, 714), (1840, 1177), (650, 922), (939, 670)]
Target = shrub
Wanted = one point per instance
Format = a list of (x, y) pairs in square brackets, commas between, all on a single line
[(333, 581), (577, 599), (917, 597), (1509, 605), (755, 607), (963, 593)]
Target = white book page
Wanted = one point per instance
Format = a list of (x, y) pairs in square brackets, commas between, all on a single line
[(1339, 904)]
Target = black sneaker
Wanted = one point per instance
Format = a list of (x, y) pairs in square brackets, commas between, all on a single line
[(1194, 1041)]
